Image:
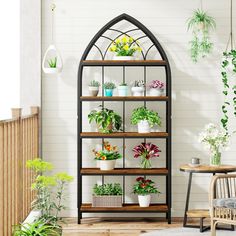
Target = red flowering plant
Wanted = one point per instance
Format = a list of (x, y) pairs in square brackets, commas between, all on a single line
[(144, 187), (108, 153), (146, 151)]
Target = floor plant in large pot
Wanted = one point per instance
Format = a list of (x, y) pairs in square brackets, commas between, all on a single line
[(145, 119), (107, 120), (144, 188), (107, 156), (107, 195)]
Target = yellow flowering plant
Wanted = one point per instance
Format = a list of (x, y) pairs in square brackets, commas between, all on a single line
[(108, 153), (125, 46)]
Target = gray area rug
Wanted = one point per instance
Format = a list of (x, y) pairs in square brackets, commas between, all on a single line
[(188, 232)]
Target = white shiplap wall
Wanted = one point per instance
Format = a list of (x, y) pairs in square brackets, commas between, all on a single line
[(196, 87)]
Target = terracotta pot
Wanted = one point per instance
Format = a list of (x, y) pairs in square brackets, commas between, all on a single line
[(109, 128)]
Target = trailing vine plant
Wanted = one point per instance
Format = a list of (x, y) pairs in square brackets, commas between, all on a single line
[(200, 24)]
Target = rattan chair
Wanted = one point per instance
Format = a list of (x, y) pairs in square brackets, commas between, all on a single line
[(223, 201)]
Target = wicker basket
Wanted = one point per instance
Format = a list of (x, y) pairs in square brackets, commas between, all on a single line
[(107, 201)]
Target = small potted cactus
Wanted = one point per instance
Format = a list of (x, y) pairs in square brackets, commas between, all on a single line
[(94, 88), (138, 88), (156, 88), (108, 89), (123, 89)]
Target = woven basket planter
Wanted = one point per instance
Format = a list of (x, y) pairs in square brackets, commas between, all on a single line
[(107, 201)]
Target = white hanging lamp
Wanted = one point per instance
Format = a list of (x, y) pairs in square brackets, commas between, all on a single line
[(52, 61)]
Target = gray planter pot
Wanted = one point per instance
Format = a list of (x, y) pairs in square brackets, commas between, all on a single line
[(107, 201)]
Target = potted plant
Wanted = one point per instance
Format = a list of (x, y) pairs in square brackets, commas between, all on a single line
[(144, 188), (215, 140), (108, 89), (146, 151), (123, 89), (124, 48), (156, 88), (138, 88), (107, 120), (145, 119), (52, 63), (107, 156), (94, 88), (107, 195), (201, 24)]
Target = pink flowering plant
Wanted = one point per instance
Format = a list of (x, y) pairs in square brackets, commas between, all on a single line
[(144, 187), (157, 84), (146, 151)]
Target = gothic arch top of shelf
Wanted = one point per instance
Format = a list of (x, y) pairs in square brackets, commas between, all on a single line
[(138, 27)]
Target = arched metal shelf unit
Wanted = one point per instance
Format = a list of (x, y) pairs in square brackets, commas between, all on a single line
[(145, 63)]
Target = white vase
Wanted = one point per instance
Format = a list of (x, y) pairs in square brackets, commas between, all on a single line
[(123, 58), (137, 91), (155, 92), (93, 91), (144, 200), (143, 126), (107, 164), (123, 91)]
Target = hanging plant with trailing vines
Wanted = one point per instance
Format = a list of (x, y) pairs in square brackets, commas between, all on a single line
[(228, 70), (200, 24)]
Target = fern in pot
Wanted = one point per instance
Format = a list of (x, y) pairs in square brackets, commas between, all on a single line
[(145, 119), (107, 156), (94, 88), (138, 88), (107, 120)]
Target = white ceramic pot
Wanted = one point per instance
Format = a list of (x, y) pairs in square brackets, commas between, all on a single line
[(143, 126), (123, 90), (123, 58), (93, 91), (155, 92), (107, 164), (137, 91), (144, 200), (49, 70)]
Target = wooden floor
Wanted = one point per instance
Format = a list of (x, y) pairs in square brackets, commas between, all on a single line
[(120, 227)]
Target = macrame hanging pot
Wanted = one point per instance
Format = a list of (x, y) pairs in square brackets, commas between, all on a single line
[(52, 61)]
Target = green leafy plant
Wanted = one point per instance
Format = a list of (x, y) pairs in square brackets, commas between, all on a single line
[(200, 24), (49, 190), (107, 190), (125, 46), (37, 228), (229, 59), (107, 120), (109, 85), (144, 187), (94, 83), (142, 113), (52, 62)]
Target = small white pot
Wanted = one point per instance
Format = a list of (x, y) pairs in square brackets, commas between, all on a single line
[(155, 92), (107, 164), (144, 200), (93, 91), (123, 90), (123, 58), (143, 126), (137, 91), (49, 70)]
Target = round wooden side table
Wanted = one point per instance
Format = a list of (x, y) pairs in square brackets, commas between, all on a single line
[(201, 213)]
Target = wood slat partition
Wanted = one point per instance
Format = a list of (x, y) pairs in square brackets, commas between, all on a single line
[(19, 142)]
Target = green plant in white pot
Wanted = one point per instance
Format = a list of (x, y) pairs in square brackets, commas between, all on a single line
[(145, 119), (144, 188), (123, 89), (107, 156), (94, 88), (124, 48)]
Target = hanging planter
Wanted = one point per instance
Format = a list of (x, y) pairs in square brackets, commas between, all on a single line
[(52, 60)]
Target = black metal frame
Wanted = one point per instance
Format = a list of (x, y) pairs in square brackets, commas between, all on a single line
[(164, 63)]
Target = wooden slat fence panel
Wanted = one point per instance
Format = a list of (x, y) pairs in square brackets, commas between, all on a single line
[(19, 142)]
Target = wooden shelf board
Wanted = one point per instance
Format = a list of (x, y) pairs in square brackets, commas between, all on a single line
[(125, 208), (124, 171), (198, 213), (124, 135), (124, 63), (126, 98)]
